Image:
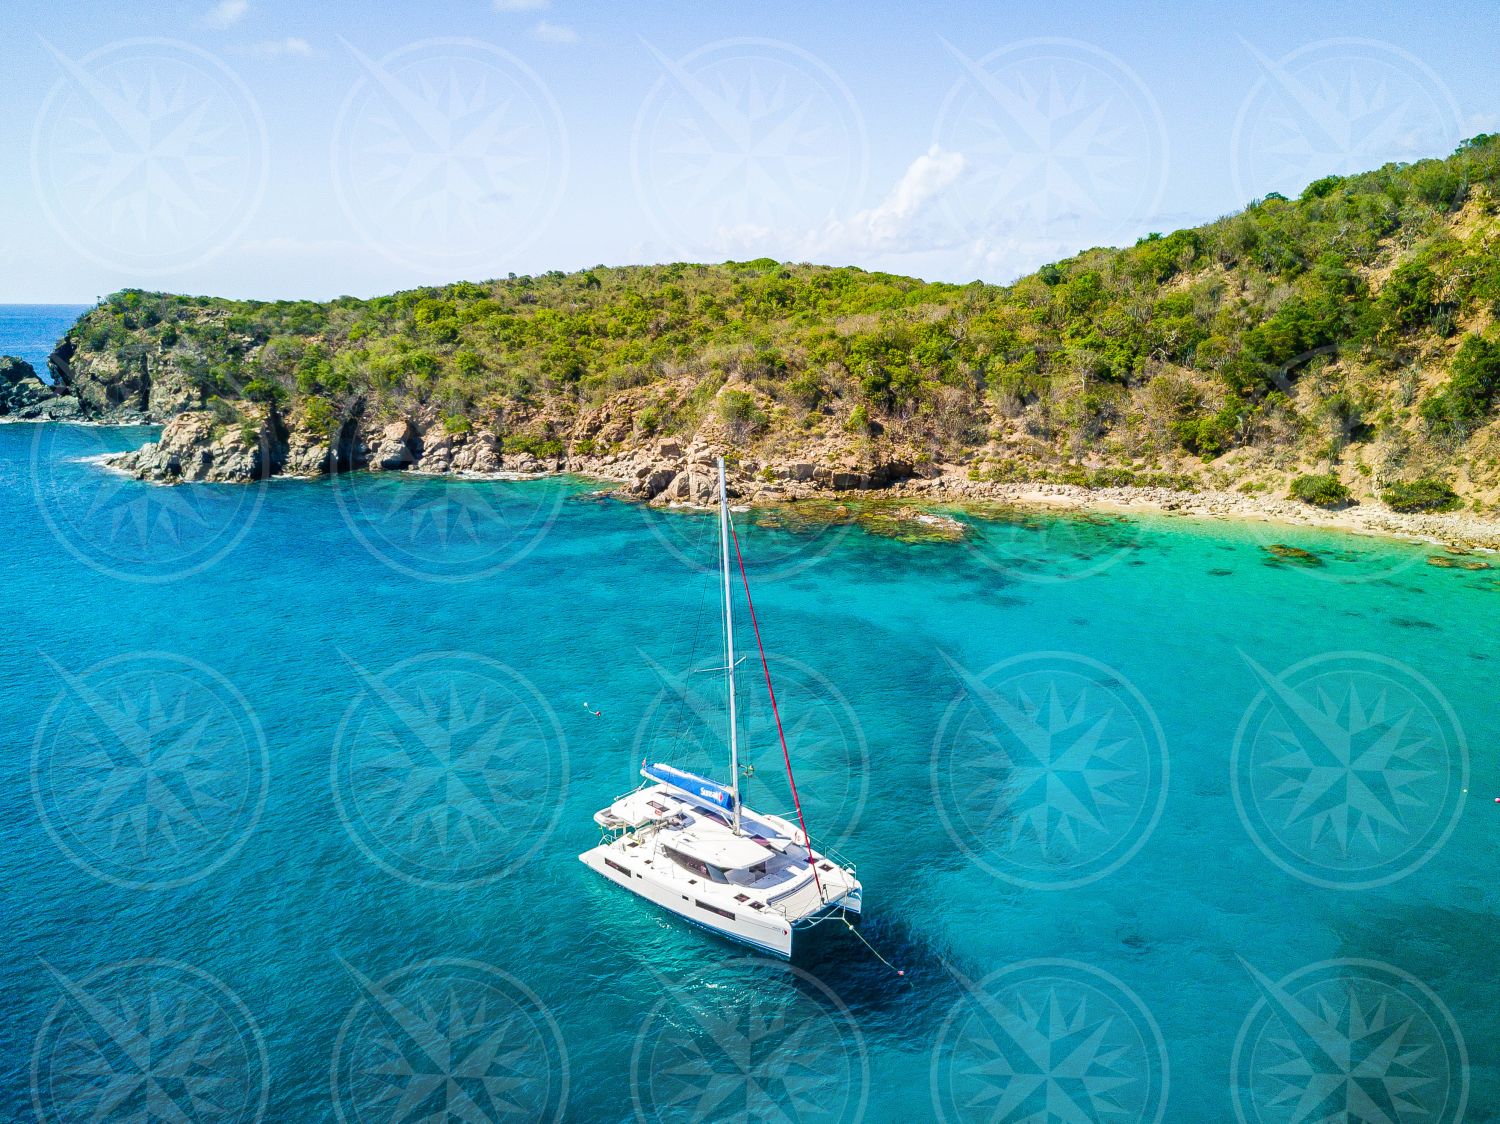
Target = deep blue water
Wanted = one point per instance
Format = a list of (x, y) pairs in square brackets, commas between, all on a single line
[(31, 331), (297, 774)]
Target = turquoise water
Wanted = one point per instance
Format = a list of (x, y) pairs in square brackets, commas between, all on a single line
[(31, 331), (297, 776)]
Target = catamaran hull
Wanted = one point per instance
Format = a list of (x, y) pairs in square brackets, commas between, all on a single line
[(768, 935)]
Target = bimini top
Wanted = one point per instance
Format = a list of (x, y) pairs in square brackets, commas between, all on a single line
[(716, 845), (700, 789)]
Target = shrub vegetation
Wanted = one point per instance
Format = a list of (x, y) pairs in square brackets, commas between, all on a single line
[(1426, 494), (1320, 490)]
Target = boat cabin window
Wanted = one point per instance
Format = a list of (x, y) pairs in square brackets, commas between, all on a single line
[(697, 866)]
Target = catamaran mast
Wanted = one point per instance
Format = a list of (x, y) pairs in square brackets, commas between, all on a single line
[(734, 745)]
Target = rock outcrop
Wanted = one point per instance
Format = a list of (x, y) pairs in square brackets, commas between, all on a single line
[(670, 474), (197, 446), (460, 452), (23, 395), (398, 446)]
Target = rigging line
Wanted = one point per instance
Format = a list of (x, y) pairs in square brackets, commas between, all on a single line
[(776, 711)]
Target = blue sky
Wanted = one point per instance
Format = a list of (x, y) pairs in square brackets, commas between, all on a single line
[(267, 148)]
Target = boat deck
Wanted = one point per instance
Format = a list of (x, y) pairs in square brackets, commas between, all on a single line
[(754, 886)]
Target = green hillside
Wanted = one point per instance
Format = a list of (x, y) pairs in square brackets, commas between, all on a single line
[(1348, 331)]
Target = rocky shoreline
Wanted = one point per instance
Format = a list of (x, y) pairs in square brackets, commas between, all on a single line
[(196, 446), (258, 442), (672, 473), (950, 486)]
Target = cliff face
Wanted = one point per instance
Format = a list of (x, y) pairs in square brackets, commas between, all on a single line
[(255, 443), (140, 384)]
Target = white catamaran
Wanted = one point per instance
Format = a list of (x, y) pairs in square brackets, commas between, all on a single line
[(686, 843)]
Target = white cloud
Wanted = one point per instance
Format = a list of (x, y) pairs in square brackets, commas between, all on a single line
[(901, 225), (554, 33), (927, 176), (895, 223), (290, 47), (522, 5), (226, 13)]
